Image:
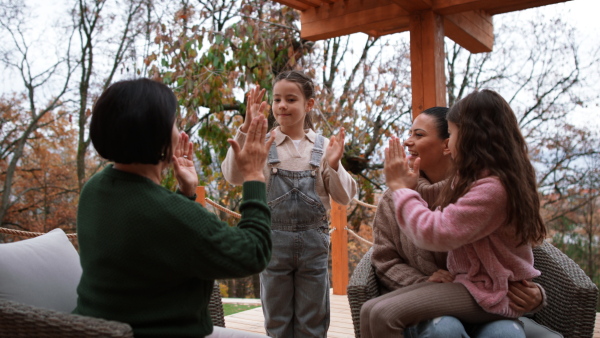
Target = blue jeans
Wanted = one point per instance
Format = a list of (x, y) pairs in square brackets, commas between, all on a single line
[(450, 327), (295, 286)]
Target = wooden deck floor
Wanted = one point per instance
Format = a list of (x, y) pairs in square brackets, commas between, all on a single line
[(340, 326)]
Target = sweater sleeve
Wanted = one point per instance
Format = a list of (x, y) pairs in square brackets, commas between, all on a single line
[(232, 252), (429, 191), (229, 167), (475, 215), (389, 259), (340, 186)]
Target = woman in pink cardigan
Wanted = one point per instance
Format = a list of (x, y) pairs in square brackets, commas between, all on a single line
[(487, 220)]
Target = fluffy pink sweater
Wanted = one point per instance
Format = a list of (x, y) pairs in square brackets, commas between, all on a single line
[(483, 254)]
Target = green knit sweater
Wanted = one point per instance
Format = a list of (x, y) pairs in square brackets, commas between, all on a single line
[(150, 256)]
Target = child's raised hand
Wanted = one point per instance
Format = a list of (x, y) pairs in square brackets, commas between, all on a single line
[(398, 174), (251, 158), (254, 107), (335, 149)]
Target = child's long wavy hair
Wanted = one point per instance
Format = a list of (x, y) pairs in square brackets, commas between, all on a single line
[(489, 138), (307, 88)]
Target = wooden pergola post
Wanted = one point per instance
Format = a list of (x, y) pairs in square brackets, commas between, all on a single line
[(201, 195), (339, 248), (427, 61)]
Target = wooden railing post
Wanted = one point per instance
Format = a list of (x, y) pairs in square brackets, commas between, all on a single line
[(201, 195), (339, 248)]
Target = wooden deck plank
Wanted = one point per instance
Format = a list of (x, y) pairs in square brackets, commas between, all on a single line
[(340, 326)]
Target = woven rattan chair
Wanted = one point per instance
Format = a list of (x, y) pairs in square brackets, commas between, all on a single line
[(21, 320), (571, 295)]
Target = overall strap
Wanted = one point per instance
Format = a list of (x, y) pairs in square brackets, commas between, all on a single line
[(273, 157), (317, 152)]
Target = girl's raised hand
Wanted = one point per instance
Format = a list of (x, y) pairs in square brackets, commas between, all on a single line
[(185, 171), (335, 149), (254, 107), (398, 174)]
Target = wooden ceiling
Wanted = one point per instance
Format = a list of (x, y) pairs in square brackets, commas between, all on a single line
[(467, 22)]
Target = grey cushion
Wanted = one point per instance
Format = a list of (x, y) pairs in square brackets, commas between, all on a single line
[(43, 271), (535, 330)]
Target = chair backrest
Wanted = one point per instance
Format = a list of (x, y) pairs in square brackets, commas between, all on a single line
[(571, 295)]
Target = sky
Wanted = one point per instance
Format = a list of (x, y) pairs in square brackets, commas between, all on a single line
[(583, 14)]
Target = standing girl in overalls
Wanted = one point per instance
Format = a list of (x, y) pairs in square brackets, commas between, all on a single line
[(304, 171)]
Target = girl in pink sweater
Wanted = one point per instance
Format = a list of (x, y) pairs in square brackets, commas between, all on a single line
[(487, 219)]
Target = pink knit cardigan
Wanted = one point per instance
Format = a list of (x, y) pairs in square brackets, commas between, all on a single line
[(483, 254)]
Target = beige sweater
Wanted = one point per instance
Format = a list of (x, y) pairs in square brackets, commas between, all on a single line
[(398, 262), (338, 185)]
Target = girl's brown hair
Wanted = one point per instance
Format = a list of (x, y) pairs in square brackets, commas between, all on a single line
[(306, 87), (489, 139)]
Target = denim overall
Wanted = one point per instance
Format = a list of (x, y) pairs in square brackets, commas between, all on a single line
[(295, 285)]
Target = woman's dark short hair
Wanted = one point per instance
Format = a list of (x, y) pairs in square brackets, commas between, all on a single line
[(132, 122)]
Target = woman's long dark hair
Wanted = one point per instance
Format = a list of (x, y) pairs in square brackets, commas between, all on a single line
[(489, 139)]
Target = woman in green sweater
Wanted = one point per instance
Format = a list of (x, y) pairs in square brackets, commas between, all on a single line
[(150, 256)]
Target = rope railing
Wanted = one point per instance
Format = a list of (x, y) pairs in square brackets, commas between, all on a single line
[(357, 236), (222, 208), (31, 234), (364, 204)]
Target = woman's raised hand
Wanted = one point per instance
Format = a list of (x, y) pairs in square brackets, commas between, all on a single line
[(251, 158), (185, 171), (254, 107), (335, 149), (398, 174)]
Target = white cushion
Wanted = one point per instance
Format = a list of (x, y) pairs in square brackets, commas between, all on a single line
[(43, 271), (535, 330)]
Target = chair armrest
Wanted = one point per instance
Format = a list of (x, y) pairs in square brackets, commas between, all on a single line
[(215, 307), (571, 294), (363, 285), (21, 320)]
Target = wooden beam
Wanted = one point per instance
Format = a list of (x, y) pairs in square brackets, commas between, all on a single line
[(295, 4), (414, 5), (347, 17), (472, 30), (491, 6), (427, 61), (339, 248), (391, 26), (514, 6)]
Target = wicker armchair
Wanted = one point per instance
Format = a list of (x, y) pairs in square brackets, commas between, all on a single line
[(21, 320), (571, 295)]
